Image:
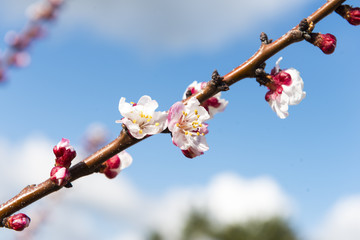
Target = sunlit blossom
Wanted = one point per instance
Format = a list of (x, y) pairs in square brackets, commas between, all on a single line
[(140, 118), (213, 105), (288, 90), (188, 127)]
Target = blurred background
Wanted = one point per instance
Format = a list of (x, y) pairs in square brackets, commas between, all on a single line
[(296, 178)]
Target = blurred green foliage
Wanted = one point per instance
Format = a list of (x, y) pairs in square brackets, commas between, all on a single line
[(200, 227)]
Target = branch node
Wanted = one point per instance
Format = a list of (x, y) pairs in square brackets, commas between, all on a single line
[(264, 38), (261, 76), (217, 81), (306, 28)]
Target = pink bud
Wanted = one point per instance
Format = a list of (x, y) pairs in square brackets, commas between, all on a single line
[(60, 175), (352, 15), (64, 153), (112, 168), (17, 40), (18, 59), (326, 42), (18, 222), (189, 153)]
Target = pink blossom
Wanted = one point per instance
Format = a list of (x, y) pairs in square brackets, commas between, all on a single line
[(60, 175), (114, 165), (140, 118), (188, 127), (18, 222), (288, 90), (64, 153), (41, 11), (213, 105)]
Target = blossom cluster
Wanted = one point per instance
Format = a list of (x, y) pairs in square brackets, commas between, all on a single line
[(39, 13), (64, 154), (185, 121)]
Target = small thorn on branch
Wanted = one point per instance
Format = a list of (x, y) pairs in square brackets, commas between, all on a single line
[(264, 38), (217, 81)]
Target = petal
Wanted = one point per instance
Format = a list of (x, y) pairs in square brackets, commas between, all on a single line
[(124, 107), (126, 159), (144, 100), (174, 115)]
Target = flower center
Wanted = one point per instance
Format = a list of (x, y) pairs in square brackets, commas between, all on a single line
[(190, 124)]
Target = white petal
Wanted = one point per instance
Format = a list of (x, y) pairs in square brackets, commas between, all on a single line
[(125, 159), (124, 107), (144, 100)]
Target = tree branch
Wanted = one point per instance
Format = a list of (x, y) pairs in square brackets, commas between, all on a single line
[(91, 164)]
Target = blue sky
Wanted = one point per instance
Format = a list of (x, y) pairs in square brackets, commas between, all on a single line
[(99, 51)]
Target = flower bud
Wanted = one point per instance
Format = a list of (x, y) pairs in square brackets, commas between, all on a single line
[(115, 164), (64, 153), (17, 40), (17, 222), (60, 175), (352, 15), (326, 42)]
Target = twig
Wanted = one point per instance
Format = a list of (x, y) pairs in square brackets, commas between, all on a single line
[(247, 70)]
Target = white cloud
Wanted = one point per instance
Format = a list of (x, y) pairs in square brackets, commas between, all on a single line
[(169, 25), (98, 208), (342, 222)]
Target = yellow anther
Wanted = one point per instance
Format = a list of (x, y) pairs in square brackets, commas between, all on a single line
[(132, 103), (186, 132), (156, 124), (198, 116), (197, 133), (140, 131), (200, 125), (134, 121), (196, 112), (178, 124), (148, 120), (203, 134)]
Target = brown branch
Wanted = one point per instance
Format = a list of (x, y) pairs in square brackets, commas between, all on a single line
[(90, 165)]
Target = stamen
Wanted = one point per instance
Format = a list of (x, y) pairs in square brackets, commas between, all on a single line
[(178, 124), (140, 131), (198, 116), (156, 124), (196, 112), (148, 120), (134, 121), (197, 133)]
